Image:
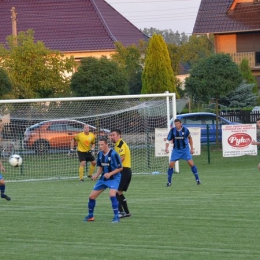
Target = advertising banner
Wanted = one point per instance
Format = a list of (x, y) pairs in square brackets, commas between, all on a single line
[(236, 140), (161, 137)]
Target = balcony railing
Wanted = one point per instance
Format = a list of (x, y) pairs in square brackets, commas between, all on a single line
[(252, 57)]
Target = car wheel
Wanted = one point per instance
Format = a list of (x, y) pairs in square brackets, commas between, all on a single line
[(41, 146)]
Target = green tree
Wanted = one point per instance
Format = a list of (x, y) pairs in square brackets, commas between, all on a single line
[(5, 84), (34, 70), (168, 35), (198, 47), (248, 75), (99, 77), (213, 77), (175, 56), (241, 97), (130, 59), (158, 75)]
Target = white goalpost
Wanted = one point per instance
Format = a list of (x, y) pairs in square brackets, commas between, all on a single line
[(40, 130)]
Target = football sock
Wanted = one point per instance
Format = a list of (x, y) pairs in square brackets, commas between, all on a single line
[(2, 188), (91, 169), (91, 206), (124, 203), (81, 172), (195, 172), (114, 203), (170, 173), (120, 208)]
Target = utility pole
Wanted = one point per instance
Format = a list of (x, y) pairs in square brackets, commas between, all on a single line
[(14, 25)]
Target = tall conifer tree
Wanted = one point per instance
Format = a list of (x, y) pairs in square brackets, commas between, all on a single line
[(158, 75)]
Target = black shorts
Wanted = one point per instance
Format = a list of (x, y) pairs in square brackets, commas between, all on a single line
[(85, 156), (126, 175)]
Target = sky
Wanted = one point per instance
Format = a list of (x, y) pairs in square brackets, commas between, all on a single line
[(177, 15)]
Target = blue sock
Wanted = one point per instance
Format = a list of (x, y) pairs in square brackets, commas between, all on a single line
[(195, 172), (2, 189), (114, 205), (91, 206), (170, 173)]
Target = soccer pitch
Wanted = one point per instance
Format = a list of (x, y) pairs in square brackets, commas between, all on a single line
[(216, 220)]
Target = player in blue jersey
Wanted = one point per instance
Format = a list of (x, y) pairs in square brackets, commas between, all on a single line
[(109, 166), (182, 149), (2, 183)]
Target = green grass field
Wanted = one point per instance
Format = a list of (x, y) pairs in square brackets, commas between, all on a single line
[(216, 220)]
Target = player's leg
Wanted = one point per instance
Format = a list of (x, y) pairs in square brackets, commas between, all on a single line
[(120, 207), (81, 170), (170, 173), (194, 170), (175, 156), (82, 165), (90, 158), (126, 176), (98, 188), (92, 168), (120, 189), (113, 188), (2, 188)]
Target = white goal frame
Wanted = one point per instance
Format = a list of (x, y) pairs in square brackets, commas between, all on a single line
[(170, 103)]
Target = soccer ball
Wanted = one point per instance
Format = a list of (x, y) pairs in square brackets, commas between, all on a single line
[(15, 160)]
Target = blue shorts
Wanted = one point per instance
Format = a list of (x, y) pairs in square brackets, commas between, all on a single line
[(183, 154), (111, 184)]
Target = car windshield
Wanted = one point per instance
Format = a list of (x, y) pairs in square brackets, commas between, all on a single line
[(35, 127)]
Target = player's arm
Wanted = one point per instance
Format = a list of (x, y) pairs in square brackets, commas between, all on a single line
[(2, 167), (99, 171), (122, 154), (109, 174), (191, 144), (255, 142), (169, 138), (72, 144), (93, 144)]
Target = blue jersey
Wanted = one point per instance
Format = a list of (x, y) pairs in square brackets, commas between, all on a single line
[(179, 137), (109, 162)]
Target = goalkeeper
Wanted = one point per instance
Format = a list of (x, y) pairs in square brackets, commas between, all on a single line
[(85, 149)]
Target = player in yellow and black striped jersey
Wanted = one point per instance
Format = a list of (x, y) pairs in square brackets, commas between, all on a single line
[(123, 150), (85, 148)]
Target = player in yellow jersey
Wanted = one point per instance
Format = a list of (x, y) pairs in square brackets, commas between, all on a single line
[(85, 149), (123, 150)]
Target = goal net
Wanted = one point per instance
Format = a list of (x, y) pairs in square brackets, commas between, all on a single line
[(40, 131)]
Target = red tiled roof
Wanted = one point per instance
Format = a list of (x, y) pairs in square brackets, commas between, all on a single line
[(213, 17), (66, 25)]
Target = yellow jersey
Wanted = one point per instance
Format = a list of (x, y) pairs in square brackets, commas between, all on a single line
[(123, 150), (85, 141)]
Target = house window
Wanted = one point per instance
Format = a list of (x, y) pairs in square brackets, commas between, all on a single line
[(257, 58)]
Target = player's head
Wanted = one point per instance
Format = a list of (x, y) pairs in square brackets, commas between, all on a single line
[(86, 129), (115, 135), (258, 122), (103, 144), (177, 123)]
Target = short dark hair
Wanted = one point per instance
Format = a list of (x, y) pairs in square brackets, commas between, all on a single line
[(177, 120), (103, 138), (118, 131), (258, 119)]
